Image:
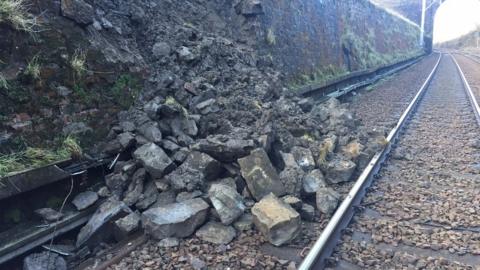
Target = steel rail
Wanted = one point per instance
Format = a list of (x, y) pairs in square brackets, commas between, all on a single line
[(323, 247), (468, 89)]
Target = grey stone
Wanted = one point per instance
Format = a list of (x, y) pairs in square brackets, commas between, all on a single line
[(106, 212), (338, 170), (151, 132), (184, 54), (304, 158), (170, 146), (125, 226), (260, 175), (183, 126), (327, 200), (307, 212), (277, 221), (126, 140), (244, 223), (293, 201), (312, 182), (292, 178), (44, 261), (165, 198), (185, 196), (85, 199), (187, 178), (216, 233), (169, 242), (148, 197), (127, 126), (154, 159), (177, 219), (224, 148), (49, 214), (181, 155), (103, 192), (227, 202), (135, 189), (306, 104), (197, 264), (78, 10), (161, 49), (152, 108), (251, 7), (116, 183), (204, 163)]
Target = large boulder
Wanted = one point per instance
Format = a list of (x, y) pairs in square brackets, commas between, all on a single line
[(276, 220), (154, 159), (227, 202), (175, 220), (107, 211), (338, 170), (43, 261), (151, 131), (216, 233), (260, 175), (327, 200), (224, 148)]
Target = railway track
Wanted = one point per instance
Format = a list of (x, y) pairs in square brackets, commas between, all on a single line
[(422, 211)]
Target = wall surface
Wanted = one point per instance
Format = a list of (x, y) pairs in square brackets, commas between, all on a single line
[(317, 40)]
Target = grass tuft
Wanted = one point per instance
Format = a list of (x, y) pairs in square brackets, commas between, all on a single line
[(15, 13), (33, 68), (78, 62), (3, 82), (271, 38)]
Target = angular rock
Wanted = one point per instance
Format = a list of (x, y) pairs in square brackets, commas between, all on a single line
[(327, 200), (293, 201), (49, 214), (126, 140), (307, 212), (125, 226), (181, 155), (161, 49), (151, 132), (304, 158), (260, 175), (292, 178), (277, 221), (169, 242), (135, 189), (152, 108), (116, 183), (227, 202), (177, 220), (106, 212), (306, 104), (224, 148), (251, 7), (204, 163), (338, 170), (148, 197), (165, 198), (78, 10), (85, 199), (44, 261), (184, 54), (216, 233), (154, 159), (244, 223), (183, 125), (197, 264), (103, 192), (187, 178), (312, 182), (185, 196)]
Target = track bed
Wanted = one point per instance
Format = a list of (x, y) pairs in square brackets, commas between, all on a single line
[(422, 211)]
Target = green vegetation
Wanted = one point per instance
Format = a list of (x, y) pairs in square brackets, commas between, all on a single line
[(14, 12), (319, 76), (33, 68), (173, 102), (271, 38), (125, 90), (78, 62), (33, 157)]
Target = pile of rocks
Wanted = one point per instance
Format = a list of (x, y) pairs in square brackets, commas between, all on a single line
[(215, 145)]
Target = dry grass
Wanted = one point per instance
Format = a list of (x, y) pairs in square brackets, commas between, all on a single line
[(15, 13), (352, 149), (3, 82), (33, 68), (78, 62), (327, 147)]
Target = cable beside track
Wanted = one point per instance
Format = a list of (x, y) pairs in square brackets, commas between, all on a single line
[(323, 247)]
